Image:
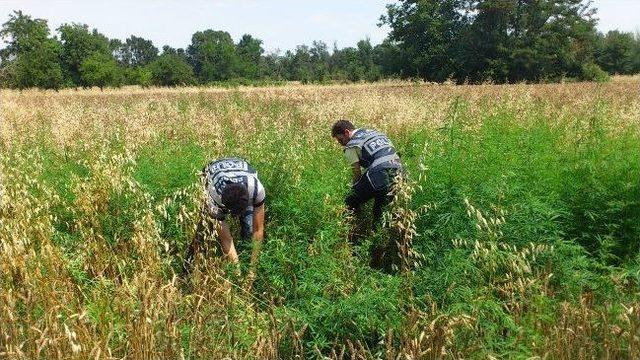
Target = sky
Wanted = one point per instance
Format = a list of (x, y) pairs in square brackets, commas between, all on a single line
[(281, 24)]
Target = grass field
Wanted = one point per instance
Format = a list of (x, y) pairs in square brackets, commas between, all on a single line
[(519, 225)]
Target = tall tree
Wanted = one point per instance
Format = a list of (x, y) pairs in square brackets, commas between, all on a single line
[(483, 49), (506, 40), (391, 59), (249, 50), (372, 72), (427, 31), (31, 57), (213, 55), (347, 65), (319, 58), (635, 54), (136, 51), (550, 38), (616, 51), (299, 65), (78, 44), (274, 66)]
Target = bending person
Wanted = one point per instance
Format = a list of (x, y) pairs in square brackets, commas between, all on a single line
[(233, 189)]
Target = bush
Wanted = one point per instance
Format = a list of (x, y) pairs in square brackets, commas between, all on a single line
[(593, 72), (171, 70), (101, 70)]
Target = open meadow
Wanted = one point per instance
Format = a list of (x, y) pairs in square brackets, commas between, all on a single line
[(518, 229)]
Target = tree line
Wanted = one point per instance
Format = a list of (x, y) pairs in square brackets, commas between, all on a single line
[(464, 41)]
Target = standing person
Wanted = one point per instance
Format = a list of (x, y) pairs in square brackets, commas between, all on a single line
[(374, 164), (232, 188)]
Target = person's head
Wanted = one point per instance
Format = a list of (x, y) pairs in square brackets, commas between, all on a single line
[(342, 131), (235, 198)]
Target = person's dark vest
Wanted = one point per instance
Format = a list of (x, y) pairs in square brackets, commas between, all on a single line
[(377, 151)]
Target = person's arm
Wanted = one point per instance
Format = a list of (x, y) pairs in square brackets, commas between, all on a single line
[(258, 236), (356, 171), (226, 241), (258, 233), (351, 155), (258, 223)]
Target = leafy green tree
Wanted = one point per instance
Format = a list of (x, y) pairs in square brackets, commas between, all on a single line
[(144, 76), (616, 51), (137, 51), (31, 58), (549, 39), (505, 40), (100, 70), (347, 65), (39, 67), (171, 69), (372, 72), (78, 44), (22, 33), (427, 31), (274, 66), (635, 55), (213, 55), (483, 48), (249, 50), (390, 58), (298, 64), (319, 58)]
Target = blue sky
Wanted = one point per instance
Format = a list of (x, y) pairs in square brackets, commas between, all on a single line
[(281, 24)]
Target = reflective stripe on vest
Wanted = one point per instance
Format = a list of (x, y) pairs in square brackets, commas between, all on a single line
[(222, 172), (376, 150)]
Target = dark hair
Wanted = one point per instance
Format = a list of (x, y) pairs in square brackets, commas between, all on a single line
[(341, 126), (235, 198)]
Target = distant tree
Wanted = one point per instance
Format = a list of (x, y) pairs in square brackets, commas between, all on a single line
[(372, 71), (144, 76), (249, 50), (635, 55), (171, 69), (30, 58), (299, 65), (21, 33), (180, 52), (347, 64), (427, 31), (549, 39), (274, 66), (100, 70), (511, 40), (137, 51), (615, 54), (39, 67), (116, 47), (390, 58), (483, 47), (78, 44), (319, 58), (213, 55)]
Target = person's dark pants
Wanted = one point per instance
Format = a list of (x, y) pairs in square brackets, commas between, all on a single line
[(362, 192), (246, 225), (382, 255)]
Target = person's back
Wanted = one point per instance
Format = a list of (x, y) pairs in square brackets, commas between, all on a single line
[(375, 154), (232, 188), (219, 174)]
